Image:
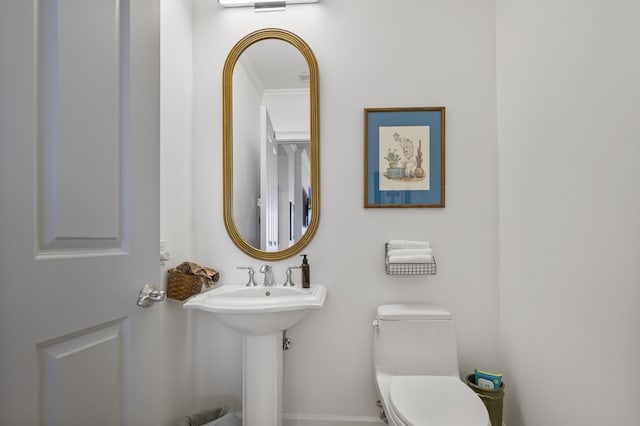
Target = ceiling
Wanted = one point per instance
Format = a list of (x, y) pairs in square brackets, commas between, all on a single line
[(275, 65)]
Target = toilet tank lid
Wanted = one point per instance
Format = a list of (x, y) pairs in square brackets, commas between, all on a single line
[(412, 311)]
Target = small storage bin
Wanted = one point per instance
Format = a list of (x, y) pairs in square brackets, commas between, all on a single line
[(187, 279), (183, 286), (211, 417), (492, 399)]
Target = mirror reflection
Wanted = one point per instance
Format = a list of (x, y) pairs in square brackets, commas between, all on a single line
[(271, 144), (271, 156)]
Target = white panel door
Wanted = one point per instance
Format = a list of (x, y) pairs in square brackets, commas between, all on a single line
[(79, 212), (268, 184)]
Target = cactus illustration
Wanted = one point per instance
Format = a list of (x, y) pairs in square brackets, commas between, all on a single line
[(419, 173)]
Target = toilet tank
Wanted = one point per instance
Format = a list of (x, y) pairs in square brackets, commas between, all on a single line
[(414, 339)]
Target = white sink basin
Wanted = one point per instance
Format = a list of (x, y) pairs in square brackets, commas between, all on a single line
[(258, 311)]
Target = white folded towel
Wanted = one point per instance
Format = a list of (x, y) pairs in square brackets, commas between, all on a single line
[(407, 244), (411, 258), (409, 252)]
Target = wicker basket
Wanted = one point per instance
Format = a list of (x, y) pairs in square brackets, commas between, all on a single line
[(182, 286)]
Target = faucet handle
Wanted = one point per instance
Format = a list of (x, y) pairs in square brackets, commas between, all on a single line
[(268, 275), (251, 281), (265, 268), (289, 282)]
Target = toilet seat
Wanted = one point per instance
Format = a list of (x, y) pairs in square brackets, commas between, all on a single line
[(435, 400)]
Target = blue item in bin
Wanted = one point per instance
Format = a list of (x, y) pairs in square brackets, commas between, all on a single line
[(487, 380)]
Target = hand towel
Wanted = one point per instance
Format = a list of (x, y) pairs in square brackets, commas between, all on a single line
[(408, 244), (409, 252), (411, 258)]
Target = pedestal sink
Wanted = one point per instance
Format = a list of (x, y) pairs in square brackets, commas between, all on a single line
[(261, 314)]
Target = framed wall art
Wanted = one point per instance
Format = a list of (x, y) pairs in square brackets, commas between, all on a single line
[(404, 157)]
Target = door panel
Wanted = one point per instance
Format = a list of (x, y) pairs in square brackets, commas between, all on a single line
[(81, 377), (79, 222), (83, 72)]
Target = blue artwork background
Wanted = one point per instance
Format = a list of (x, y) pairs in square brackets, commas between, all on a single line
[(376, 119)]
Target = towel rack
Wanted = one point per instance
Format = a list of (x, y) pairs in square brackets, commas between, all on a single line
[(408, 268)]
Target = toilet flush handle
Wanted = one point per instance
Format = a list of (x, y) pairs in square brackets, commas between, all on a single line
[(375, 324)]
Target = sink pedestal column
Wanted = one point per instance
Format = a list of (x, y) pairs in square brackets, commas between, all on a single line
[(262, 380)]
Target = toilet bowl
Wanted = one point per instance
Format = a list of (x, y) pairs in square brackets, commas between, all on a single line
[(416, 368)]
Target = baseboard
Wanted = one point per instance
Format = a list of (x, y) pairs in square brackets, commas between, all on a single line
[(323, 420), (318, 420)]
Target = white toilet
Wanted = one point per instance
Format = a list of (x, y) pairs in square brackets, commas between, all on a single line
[(416, 366)]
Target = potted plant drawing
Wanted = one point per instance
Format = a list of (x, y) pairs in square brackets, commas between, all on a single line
[(392, 157), (419, 172)]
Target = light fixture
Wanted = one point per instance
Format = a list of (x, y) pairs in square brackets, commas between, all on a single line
[(263, 5), (269, 6)]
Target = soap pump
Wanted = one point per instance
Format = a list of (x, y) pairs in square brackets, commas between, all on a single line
[(306, 280)]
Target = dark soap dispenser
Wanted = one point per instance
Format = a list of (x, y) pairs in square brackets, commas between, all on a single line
[(306, 279)]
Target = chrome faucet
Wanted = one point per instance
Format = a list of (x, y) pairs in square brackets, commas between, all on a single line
[(269, 281)]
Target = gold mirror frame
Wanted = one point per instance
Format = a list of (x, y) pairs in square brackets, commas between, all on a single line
[(227, 141)]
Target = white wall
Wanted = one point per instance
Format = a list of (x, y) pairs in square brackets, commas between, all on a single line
[(176, 123), (370, 54), (175, 196), (569, 145)]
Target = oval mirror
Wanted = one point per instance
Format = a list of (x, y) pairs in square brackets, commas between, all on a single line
[(271, 144)]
